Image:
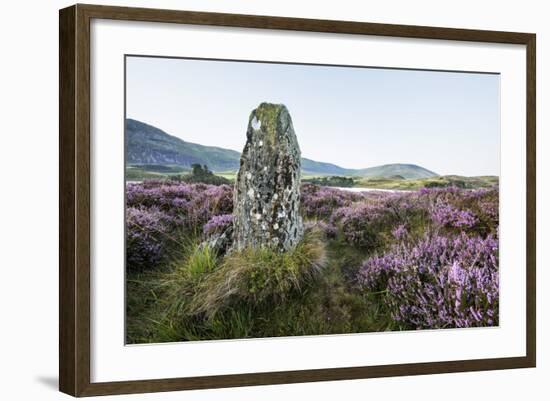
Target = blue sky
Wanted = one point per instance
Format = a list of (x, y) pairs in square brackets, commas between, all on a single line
[(447, 122)]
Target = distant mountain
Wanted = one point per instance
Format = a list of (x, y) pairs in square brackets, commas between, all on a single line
[(148, 145), (406, 171), (311, 167)]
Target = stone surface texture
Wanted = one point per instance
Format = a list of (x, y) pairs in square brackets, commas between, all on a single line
[(267, 188), (220, 243)]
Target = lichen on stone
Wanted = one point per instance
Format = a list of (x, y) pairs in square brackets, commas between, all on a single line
[(268, 181), (256, 124)]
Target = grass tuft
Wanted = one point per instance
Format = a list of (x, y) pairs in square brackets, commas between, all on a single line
[(201, 261), (260, 275)]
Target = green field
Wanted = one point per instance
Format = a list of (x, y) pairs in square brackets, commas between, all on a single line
[(163, 172), (230, 175), (432, 182), (153, 171), (400, 183), (396, 182)]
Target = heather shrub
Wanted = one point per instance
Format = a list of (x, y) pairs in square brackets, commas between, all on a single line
[(147, 237), (457, 210), (484, 203), (320, 202), (435, 264), (400, 233), (362, 224), (161, 215), (192, 205), (447, 215), (218, 224), (329, 230), (439, 282), (371, 222)]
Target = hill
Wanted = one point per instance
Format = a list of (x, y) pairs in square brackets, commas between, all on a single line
[(148, 148), (146, 144), (406, 171)]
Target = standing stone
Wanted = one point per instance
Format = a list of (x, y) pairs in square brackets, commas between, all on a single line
[(267, 189)]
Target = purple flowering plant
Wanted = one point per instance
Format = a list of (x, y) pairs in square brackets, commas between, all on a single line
[(218, 224), (439, 282), (431, 256), (158, 213)]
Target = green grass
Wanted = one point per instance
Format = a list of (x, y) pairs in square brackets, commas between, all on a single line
[(261, 275), (440, 181), (137, 174), (230, 175), (164, 172), (253, 294), (159, 168), (144, 172), (146, 320)]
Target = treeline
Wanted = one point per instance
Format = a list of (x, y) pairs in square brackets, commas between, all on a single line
[(200, 174), (332, 181)]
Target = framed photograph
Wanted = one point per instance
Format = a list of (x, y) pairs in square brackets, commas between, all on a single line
[(250, 200)]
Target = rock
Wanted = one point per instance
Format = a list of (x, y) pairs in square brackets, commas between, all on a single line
[(267, 189), (220, 243)]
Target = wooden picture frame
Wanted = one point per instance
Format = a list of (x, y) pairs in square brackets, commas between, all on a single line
[(74, 199)]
